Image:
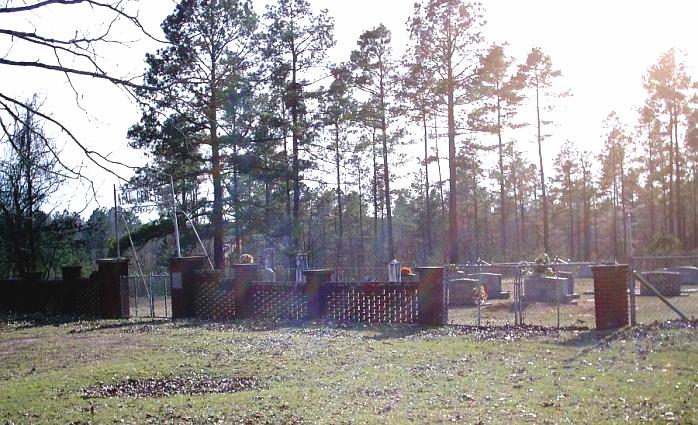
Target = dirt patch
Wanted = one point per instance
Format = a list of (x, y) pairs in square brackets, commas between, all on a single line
[(164, 387), (10, 346)]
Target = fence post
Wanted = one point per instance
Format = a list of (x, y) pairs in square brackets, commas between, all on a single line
[(316, 291), (245, 274), (113, 292), (431, 296)]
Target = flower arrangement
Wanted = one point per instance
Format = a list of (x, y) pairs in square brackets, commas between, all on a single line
[(246, 259), (406, 271), (541, 266), (479, 292)]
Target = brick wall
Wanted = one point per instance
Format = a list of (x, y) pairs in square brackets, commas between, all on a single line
[(319, 298), (102, 295)]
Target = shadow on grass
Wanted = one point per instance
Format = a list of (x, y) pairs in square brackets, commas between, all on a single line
[(591, 340), (33, 320), (376, 331)]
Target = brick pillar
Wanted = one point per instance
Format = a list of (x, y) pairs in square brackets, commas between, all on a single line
[(70, 275), (316, 290), (113, 294), (182, 283), (33, 297), (245, 274), (610, 295), (431, 296)]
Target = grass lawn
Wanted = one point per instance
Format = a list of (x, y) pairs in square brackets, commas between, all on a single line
[(317, 374)]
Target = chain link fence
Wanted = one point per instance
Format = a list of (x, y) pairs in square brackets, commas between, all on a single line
[(149, 295), (675, 278), (559, 295), (565, 296)]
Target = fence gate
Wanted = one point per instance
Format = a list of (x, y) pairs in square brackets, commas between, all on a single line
[(149, 295)]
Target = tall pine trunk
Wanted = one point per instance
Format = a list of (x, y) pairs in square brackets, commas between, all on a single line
[(544, 197), (427, 200), (502, 203), (340, 229)]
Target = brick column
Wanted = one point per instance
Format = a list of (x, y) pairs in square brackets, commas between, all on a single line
[(113, 295), (610, 295), (431, 295), (32, 298), (70, 275), (245, 274), (182, 283), (317, 291)]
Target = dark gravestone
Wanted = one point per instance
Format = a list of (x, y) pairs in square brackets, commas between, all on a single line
[(689, 274), (667, 283)]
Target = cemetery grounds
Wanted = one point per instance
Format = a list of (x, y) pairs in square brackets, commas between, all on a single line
[(160, 371)]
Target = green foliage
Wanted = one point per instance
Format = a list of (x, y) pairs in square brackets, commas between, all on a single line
[(666, 245)]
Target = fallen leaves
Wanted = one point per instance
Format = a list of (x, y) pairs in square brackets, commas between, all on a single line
[(165, 387)]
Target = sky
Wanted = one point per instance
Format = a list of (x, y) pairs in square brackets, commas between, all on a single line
[(603, 49)]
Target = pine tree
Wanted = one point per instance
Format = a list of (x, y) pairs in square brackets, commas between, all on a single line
[(538, 75), (296, 42), (372, 64), (446, 34), (211, 44), (498, 92)]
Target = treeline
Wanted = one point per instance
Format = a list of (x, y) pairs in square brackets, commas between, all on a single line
[(271, 145)]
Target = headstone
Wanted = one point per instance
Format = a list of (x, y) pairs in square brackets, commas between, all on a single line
[(394, 271), (463, 291), (492, 282), (543, 288), (689, 274), (569, 290), (667, 283), (584, 271), (267, 273), (301, 266)]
